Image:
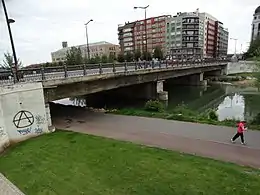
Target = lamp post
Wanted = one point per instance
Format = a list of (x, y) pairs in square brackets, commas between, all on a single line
[(145, 23), (235, 52), (8, 22), (86, 25)]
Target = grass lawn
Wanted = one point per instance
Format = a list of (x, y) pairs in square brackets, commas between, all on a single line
[(67, 163)]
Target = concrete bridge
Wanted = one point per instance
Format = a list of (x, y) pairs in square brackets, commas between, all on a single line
[(24, 108)]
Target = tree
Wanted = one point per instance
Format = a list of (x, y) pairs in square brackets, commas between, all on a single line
[(254, 49), (111, 57), (129, 57), (137, 55), (147, 56), (74, 56), (8, 62), (104, 59), (158, 53), (120, 57)]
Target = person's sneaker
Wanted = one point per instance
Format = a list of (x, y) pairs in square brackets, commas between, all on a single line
[(232, 141), (243, 143)]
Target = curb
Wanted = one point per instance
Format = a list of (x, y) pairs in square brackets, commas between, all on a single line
[(9, 188)]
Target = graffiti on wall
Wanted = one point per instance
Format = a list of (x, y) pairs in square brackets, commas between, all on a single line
[(24, 120), (39, 119), (2, 132)]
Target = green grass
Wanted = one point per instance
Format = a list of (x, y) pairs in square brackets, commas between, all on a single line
[(67, 163)]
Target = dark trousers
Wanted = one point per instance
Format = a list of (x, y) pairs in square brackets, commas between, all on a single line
[(241, 135)]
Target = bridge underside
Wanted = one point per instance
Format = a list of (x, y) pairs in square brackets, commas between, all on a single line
[(72, 87)]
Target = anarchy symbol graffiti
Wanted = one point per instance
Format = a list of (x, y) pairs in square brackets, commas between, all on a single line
[(23, 119)]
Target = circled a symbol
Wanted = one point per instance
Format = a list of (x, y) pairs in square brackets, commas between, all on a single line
[(23, 119)]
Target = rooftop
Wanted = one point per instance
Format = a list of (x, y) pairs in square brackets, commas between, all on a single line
[(257, 10), (85, 45)]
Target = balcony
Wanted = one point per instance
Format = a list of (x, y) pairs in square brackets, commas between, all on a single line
[(192, 27)]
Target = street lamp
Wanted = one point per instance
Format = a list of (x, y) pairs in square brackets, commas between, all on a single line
[(145, 23), (8, 22), (86, 25), (235, 45)]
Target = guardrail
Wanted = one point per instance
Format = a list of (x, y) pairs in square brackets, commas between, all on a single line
[(58, 72)]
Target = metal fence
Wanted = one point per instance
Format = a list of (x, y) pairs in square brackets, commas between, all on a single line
[(58, 72)]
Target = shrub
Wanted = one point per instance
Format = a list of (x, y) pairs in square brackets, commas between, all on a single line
[(256, 120), (154, 105), (213, 115), (183, 110)]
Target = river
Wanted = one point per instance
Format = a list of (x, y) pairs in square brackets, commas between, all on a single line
[(230, 102)]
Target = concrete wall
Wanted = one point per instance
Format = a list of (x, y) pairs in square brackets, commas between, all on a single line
[(22, 113), (241, 66)]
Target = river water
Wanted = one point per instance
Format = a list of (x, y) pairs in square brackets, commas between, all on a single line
[(230, 102)]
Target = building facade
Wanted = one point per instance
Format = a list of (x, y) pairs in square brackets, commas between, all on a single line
[(126, 37), (132, 35), (195, 35), (95, 49), (256, 24)]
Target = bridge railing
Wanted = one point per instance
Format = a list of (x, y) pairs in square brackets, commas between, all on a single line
[(64, 71)]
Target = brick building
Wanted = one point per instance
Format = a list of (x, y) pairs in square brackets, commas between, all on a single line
[(132, 35)]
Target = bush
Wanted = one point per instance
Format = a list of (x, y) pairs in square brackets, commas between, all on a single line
[(213, 115), (256, 120), (183, 110), (154, 105)]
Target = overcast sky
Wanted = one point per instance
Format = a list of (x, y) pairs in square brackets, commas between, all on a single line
[(41, 25)]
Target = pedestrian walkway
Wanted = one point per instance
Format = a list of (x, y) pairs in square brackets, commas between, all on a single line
[(204, 140), (7, 188)]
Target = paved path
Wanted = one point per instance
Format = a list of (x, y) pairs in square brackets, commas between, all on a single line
[(7, 188), (204, 140)]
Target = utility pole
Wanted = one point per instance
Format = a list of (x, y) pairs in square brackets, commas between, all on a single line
[(8, 22)]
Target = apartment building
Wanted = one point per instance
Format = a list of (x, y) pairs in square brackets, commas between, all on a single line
[(126, 37), (132, 35), (256, 24), (95, 49), (221, 41), (195, 35)]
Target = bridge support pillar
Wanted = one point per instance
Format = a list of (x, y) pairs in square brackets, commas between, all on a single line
[(22, 113), (198, 80), (161, 94)]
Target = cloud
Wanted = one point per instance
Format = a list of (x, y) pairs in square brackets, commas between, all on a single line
[(41, 26)]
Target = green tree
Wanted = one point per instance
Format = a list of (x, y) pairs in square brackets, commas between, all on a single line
[(120, 57), (137, 54), (254, 49), (158, 53), (147, 56), (74, 56), (129, 57), (104, 59), (111, 57), (8, 62)]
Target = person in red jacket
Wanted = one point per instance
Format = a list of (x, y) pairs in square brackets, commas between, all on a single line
[(241, 128)]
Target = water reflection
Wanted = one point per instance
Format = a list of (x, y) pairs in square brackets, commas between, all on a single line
[(230, 102), (232, 107)]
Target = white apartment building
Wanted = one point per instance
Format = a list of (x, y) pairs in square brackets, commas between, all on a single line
[(95, 49), (256, 24), (195, 35)]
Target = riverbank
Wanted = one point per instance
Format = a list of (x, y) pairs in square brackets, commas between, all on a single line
[(180, 113), (115, 167), (246, 79)]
